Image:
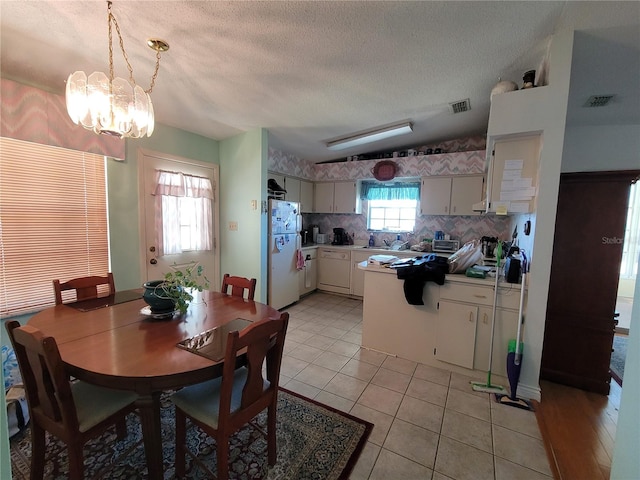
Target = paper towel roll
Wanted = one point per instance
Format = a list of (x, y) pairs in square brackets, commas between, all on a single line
[(314, 235)]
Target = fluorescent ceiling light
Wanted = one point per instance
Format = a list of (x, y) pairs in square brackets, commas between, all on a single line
[(369, 136)]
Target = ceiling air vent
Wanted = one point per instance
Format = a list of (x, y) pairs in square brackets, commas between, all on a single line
[(460, 106), (598, 100)]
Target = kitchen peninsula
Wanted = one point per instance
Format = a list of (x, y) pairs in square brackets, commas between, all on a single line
[(451, 330)]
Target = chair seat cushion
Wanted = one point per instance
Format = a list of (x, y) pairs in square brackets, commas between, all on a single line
[(202, 401), (95, 404)]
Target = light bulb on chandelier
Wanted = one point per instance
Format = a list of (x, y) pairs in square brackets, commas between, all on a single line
[(113, 106)]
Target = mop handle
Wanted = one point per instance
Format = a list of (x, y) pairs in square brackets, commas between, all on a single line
[(495, 301), (520, 309)]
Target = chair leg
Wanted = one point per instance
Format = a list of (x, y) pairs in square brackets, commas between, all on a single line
[(222, 449), (121, 428), (181, 440), (38, 451), (76, 461), (271, 434)]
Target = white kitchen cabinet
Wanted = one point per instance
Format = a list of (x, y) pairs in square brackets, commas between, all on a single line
[(456, 333), (513, 175), (308, 276), (479, 299), (306, 196), (337, 197), (292, 186), (435, 196), (465, 191), (450, 195), (357, 275), (506, 327)]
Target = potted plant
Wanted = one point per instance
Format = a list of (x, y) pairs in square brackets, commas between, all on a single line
[(174, 292)]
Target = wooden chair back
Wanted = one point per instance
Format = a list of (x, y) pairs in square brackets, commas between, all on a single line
[(263, 341), (85, 287), (46, 384), (238, 286), (52, 406)]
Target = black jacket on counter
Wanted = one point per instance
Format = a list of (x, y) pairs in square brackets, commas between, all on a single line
[(415, 277)]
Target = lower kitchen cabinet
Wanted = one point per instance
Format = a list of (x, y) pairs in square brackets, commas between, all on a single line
[(308, 276), (456, 333), (357, 275), (506, 328)]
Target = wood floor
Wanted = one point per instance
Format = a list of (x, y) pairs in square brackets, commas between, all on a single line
[(579, 430)]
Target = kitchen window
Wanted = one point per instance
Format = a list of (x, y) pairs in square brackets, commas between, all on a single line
[(391, 206)]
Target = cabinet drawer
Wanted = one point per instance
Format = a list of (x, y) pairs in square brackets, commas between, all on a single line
[(508, 296), (467, 293)]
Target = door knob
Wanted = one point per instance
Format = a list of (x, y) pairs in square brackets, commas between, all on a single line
[(153, 261), (152, 249)]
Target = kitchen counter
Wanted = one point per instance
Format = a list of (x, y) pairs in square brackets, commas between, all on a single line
[(450, 331)]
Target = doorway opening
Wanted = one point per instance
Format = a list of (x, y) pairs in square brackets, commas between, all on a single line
[(626, 285)]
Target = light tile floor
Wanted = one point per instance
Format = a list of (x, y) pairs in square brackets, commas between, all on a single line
[(428, 423)]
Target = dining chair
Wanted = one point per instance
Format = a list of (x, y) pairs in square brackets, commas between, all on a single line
[(221, 406), (85, 287), (238, 286), (74, 412)]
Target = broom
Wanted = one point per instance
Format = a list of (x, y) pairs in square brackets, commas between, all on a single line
[(487, 387)]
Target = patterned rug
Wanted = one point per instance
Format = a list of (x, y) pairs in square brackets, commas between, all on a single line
[(315, 441), (618, 357)]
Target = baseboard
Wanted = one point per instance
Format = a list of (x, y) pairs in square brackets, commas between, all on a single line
[(529, 392)]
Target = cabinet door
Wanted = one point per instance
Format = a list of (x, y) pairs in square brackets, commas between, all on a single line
[(465, 191), (323, 197), (345, 197), (456, 333), (435, 196), (357, 275), (514, 166), (306, 196), (506, 328), (292, 185)]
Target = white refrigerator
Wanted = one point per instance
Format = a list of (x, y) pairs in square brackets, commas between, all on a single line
[(285, 224)]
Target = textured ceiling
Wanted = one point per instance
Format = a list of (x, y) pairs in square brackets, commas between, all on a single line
[(311, 71)]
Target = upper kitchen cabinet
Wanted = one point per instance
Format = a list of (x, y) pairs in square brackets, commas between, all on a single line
[(306, 196), (298, 190), (513, 175), (450, 195), (337, 197)]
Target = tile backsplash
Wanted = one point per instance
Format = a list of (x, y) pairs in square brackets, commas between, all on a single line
[(463, 228)]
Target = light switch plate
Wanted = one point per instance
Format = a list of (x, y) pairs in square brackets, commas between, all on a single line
[(233, 226)]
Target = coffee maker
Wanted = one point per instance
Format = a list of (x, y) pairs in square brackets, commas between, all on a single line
[(339, 237)]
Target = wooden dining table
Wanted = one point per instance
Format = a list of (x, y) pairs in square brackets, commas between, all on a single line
[(121, 346)]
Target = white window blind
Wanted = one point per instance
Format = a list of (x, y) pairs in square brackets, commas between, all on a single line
[(53, 222), (631, 246)]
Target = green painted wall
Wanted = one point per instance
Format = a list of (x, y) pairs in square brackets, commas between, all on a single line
[(243, 179), (122, 178)]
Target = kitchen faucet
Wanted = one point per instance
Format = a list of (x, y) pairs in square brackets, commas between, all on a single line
[(386, 242)]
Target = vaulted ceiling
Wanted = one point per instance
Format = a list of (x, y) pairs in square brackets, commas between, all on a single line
[(312, 71)]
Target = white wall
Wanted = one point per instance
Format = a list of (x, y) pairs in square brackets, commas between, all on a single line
[(243, 179), (539, 110), (600, 148), (626, 461)]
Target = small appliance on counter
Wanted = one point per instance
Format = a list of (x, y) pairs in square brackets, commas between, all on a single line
[(340, 237), (322, 238), (305, 236), (445, 246)]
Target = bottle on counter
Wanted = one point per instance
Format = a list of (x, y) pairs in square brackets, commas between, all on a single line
[(372, 241)]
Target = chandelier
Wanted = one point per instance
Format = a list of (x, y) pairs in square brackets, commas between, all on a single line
[(113, 106)]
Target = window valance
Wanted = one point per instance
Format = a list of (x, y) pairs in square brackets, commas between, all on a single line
[(390, 191)]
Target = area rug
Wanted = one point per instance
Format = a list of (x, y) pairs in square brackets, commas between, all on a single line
[(618, 357), (315, 441)]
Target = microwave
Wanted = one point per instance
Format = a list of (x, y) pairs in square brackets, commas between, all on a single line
[(445, 246)]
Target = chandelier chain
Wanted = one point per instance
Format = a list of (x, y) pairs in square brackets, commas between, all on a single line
[(112, 18)]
